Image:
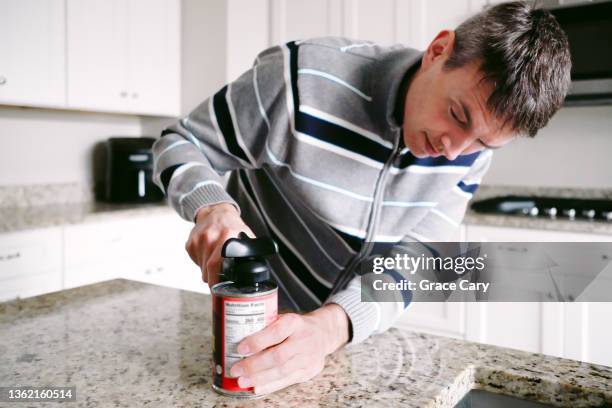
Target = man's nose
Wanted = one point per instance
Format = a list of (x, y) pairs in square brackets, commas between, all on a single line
[(453, 147)]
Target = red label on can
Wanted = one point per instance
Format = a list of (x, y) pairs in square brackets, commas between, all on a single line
[(235, 319)]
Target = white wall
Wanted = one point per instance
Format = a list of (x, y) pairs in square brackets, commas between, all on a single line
[(39, 146), (49, 146), (572, 151)]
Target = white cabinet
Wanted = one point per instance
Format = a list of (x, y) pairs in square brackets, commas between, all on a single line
[(298, 20), (95, 252), (97, 54), (30, 263), (440, 318), (146, 248), (580, 330), (154, 59), (577, 330), (124, 56), (158, 256), (32, 53), (414, 23)]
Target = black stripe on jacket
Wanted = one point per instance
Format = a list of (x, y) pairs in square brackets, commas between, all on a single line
[(292, 261), (226, 126)]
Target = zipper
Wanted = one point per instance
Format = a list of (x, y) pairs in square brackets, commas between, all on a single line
[(365, 249)]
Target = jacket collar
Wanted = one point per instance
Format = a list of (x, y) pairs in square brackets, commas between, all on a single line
[(385, 83)]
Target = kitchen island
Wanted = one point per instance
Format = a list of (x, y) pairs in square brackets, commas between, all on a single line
[(127, 344)]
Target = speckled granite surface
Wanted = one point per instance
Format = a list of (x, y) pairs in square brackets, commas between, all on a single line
[(48, 205), (128, 344), (44, 194), (543, 223), (29, 207), (24, 218)]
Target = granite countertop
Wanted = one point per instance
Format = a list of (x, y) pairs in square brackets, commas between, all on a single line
[(119, 345), (54, 205), (542, 223), (48, 205), (23, 218)]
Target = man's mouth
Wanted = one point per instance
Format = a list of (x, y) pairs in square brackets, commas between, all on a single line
[(429, 147)]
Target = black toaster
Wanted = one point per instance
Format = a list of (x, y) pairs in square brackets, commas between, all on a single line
[(129, 171)]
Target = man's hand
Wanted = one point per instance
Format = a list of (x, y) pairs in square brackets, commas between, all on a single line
[(292, 349), (215, 224)]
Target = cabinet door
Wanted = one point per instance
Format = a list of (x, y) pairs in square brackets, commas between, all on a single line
[(33, 53), (95, 252), (572, 330), (414, 23), (373, 20), (30, 263), (160, 256), (440, 318), (154, 57), (97, 54), (299, 20)]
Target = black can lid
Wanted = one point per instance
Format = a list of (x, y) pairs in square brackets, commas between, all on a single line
[(247, 264)]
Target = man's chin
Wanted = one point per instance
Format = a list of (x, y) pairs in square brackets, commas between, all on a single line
[(420, 155)]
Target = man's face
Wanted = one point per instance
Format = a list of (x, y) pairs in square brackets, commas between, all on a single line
[(445, 111)]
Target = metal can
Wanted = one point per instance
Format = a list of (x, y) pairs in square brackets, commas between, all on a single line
[(238, 312)]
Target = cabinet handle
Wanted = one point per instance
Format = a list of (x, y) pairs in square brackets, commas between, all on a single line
[(134, 95), (10, 257), (2, 80), (123, 94)]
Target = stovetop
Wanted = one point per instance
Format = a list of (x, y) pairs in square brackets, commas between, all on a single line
[(548, 207)]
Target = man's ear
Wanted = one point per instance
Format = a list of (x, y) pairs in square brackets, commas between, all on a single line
[(440, 48)]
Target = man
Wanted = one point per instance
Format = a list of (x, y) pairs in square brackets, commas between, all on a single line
[(335, 145)]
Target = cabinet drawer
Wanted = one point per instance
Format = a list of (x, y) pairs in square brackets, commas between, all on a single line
[(30, 252), (135, 249), (440, 318), (106, 241), (86, 274), (171, 271), (30, 263)]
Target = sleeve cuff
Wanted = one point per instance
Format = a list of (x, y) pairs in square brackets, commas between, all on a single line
[(203, 196), (364, 316)]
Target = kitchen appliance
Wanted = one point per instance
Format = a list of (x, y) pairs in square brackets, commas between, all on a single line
[(550, 207), (129, 171), (245, 303), (588, 25)]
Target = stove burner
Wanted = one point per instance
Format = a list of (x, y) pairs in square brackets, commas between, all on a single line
[(550, 207)]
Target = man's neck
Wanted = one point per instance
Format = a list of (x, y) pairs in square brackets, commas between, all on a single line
[(400, 103)]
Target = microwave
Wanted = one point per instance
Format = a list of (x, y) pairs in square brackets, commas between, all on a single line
[(588, 26)]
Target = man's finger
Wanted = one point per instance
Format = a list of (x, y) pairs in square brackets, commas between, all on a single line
[(213, 267), (269, 336), (274, 379), (283, 374), (271, 357)]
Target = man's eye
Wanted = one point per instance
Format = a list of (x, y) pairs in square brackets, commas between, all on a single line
[(456, 117)]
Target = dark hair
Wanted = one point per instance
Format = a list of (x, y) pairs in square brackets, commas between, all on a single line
[(524, 53)]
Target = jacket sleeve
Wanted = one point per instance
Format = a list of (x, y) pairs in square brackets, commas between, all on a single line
[(227, 131), (368, 316)]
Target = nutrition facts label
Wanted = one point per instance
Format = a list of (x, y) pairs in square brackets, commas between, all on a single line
[(242, 318)]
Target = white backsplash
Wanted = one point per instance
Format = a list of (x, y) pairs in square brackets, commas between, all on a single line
[(44, 146), (574, 150), (40, 146)]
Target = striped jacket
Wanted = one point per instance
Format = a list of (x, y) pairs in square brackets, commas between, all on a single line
[(318, 163)]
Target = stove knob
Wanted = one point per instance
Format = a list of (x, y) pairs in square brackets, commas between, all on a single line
[(590, 214), (607, 215), (571, 213), (534, 211), (551, 212)]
